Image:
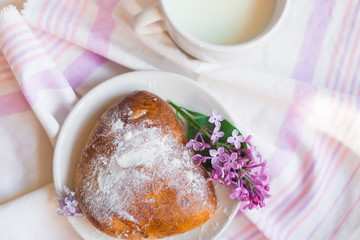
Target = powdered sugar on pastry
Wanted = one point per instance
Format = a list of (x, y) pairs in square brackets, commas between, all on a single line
[(142, 178), (139, 165)]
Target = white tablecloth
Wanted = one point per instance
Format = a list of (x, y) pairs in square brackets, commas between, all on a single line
[(297, 93)]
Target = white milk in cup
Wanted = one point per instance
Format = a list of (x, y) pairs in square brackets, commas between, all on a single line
[(212, 30)]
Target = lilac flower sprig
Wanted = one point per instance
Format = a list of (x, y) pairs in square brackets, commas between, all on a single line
[(68, 205), (230, 157)]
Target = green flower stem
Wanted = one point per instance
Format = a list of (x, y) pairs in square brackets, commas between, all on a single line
[(183, 114), (189, 119), (225, 145), (203, 131), (247, 179)]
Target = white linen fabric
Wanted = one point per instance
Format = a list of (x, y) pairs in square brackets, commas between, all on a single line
[(297, 94)]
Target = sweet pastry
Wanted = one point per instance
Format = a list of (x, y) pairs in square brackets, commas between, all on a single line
[(136, 179)]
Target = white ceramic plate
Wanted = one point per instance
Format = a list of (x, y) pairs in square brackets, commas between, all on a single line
[(75, 130)]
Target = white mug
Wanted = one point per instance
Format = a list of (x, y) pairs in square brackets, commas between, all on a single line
[(212, 30)]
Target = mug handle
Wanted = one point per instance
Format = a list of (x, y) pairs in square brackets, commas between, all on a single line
[(148, 21)]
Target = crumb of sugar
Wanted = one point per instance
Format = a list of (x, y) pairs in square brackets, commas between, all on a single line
[(117, 125)]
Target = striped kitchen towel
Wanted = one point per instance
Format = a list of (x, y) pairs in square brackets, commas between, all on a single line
[(297, 94)]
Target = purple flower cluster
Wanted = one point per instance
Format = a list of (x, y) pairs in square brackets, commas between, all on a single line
[(68, 205), (243, 168)]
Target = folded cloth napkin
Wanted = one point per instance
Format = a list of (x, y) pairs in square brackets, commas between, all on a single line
[(297, 94)]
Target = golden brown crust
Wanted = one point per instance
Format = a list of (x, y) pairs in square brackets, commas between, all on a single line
[(167, 204)]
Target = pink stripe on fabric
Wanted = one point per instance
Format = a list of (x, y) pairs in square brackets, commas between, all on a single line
[(79, 70), (300, 171), (55, 45), (263, 238), (50, 17), (306, 202), (315, 176), (42, 13), (6, 70), (289, 134), (327, 169), (7, 78), (347, 74), (100, 35), (253, 235), (60, 17), (4, 64), (338, 163), (74, 6), (304, 172), (341, 194), (50, 47), (10, 28), (304, 70), (242, 231), (345, 50), (11, 38), (77, 22), (310, 196), (355, 79), (62, 50), (39, 34), (313, 40), (13, 103), (306, 167), (17, 45), (300, 185), (23, 53), (28, 60), (303, 191), (48, 79), (345, 218), (357, 104), (337, 46), (3, 61), (49, 38)]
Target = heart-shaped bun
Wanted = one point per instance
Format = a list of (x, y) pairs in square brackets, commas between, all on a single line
[(136, 178)]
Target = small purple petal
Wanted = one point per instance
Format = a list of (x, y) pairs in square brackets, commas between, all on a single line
[(216, 135), (215, 117), (236, 139), (190, 143), (68, 206), (198, 159)]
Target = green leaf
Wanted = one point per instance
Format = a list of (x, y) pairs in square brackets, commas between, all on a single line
[(179, 118), (195, 114), (193, 130)]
